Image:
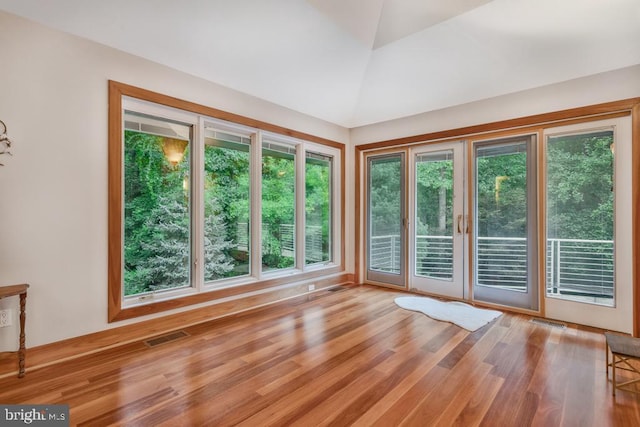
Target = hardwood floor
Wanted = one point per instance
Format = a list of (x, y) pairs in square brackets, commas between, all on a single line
[(350, 357)]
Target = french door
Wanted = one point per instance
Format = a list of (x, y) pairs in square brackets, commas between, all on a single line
[(538, 221), (505, 214), (386, 219), (425, 193), (479, 247), (438, 223)]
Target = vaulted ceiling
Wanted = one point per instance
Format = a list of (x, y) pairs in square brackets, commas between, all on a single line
[(356, 62)]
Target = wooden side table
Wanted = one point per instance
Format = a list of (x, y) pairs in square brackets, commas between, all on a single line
[(18, 290)]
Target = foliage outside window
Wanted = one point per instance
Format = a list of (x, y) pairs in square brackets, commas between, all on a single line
[(385, 209), (580, 217), (434, 215), (502, 197), (227, 202), (278, 206), (502, 232), (156, 205), (318, 195), (191, 187)]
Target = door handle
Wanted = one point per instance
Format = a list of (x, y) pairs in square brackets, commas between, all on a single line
[(468, 224), (459, 224)]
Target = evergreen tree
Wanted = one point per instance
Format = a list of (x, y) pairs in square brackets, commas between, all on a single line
[(157, 221), (217, 262), (167, 260), (167, 263)]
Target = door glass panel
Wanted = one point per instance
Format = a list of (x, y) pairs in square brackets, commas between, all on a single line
[(385, 214), (501, 215), (580, 216), (434, 215)]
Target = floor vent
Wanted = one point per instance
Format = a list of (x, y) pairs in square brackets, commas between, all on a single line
[(545, 322), (163, 339), (336, 289)]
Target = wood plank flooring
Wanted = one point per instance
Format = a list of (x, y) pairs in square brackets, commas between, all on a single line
[(349, 357)]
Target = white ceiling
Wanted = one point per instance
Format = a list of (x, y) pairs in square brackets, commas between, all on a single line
[(356, 62), (379, 22)]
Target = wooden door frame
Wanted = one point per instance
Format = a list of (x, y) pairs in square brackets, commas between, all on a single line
[(533, 124)]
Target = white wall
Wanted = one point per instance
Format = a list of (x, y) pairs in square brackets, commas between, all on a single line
[(53, 191), (611, 86)]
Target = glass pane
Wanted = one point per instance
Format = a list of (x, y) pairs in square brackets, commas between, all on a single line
[(318, 172), (157, 226), (501, 212), (278, 206), (385, 213), (434, 215), (580, 217), (226, 205)]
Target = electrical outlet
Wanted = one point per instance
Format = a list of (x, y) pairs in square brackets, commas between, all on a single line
[(312, 287), (5, 318)]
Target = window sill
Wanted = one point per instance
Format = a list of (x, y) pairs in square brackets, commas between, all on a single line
[(226, 290)]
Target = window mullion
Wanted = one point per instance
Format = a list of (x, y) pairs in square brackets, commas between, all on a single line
[(336, 209), (255, 242), (197, 206), (300, 202)]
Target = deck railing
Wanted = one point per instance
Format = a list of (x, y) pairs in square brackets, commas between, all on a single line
[(580, 267), (285, 236), (384, 253), (574, 266)]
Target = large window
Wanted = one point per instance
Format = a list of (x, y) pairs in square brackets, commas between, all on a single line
[(318, 208), (227, 199), (278, 206), (157, 223), (203, 208)]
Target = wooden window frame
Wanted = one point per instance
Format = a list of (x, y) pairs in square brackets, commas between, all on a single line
[(116, 311)]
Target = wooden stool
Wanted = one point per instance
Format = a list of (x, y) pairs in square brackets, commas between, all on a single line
[(21, 290), (623, 348)]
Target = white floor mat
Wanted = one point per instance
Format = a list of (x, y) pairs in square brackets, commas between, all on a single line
[(458, 313)]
